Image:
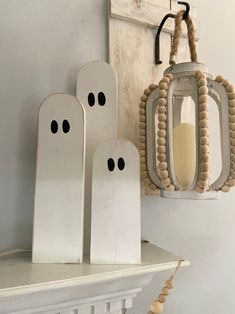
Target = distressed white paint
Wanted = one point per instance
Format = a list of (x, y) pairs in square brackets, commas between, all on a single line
[(101, 121), (58, 209), (115, 229)]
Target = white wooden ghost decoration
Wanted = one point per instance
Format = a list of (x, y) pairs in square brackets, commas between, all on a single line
[(58, 209), (97, 91), (115, 226)]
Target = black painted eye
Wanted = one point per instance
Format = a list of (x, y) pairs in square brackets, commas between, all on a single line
[(54, 126), (101, 99), (111, 164), (66, 126), (121, 163), (91, 99)]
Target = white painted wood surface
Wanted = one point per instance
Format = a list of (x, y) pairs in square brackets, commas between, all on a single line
[(132, 28), (115, 227), (101, 121), (59, 191), (57, 288)]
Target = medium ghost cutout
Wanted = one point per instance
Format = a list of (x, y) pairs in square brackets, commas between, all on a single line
[(58, 208), (115, 224), (97, 91)]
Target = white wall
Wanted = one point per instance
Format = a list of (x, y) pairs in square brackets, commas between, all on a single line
[(43, 43)]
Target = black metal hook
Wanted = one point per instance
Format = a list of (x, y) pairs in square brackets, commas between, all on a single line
[(157, 39)]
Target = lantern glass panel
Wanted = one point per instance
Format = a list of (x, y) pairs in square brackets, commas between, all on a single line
[(183, 132)]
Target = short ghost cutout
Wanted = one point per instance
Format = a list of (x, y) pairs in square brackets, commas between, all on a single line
[(58, 212), (115, 227), (97, 91)]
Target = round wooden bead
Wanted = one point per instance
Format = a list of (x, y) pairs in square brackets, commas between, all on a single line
[(165, 291), (203, 115), (143, 167), (142, 118), (143, 98), (233, 134), (204, 175), (142, 139), (161, 157), (232, 103), (199, 74), (204, 166), (163, 165), (203, 123), (204, 157), (219, 78), (203, 90), (162, 117), (170, 76), (200, 190), (203, 106), (170, 188), (161, 133), (204, 140), (163, 86), (203, 132), (142, 104), (225, 188), (231, 95), (232, 126), (230, 88), (142, 132), (161, 109), (161, 141), (225, 83), (162, 93), (152, 86), (152, 187), (232, 118), (164, 174), (233, 157), (169, 284), (142, 153), (142, 125), (166, 182), (233, 142), (161, 101), (162, 125), (161, 149), (204, 149), (142, 159), (231, 182), (142, 145), (156, 307), (202, 82), (142, 111), (162, 298), (166, 80), (202, 183), (232, 110), (147, 91), (202, 99)]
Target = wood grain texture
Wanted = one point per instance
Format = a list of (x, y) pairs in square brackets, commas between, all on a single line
[(115, 231), (58, 208), (101, 121), (131, 54)]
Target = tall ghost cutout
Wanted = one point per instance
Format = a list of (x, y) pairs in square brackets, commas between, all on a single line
[(59, 192), (115, 223), (97, 91)]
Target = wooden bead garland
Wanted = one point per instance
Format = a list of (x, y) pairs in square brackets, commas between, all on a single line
[(142, 137), (157, 306), (203, 178), (230, 182), (162, 118)]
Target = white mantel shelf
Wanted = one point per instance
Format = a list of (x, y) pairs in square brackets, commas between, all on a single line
[(78, 289)]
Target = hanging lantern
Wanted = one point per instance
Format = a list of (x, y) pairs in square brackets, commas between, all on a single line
[(175, 152)]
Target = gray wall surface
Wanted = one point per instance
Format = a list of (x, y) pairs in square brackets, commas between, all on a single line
[(43, 43)]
